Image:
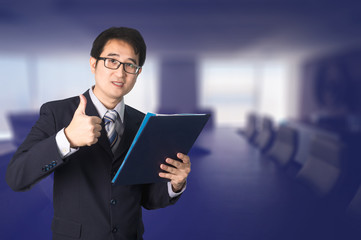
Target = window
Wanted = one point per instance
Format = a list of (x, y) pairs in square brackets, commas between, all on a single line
[(15, 88), (234, 87), (144, 95), (273, 88)]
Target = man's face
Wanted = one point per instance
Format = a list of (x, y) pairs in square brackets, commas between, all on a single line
[(112, 85)]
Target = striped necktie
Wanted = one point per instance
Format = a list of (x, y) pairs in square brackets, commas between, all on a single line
[(109, 124)]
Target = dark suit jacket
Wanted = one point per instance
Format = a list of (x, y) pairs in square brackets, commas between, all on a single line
[(86, 204)]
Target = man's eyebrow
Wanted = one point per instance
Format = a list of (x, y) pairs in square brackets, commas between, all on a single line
[(133, 60), (117, 55), (113, 54)]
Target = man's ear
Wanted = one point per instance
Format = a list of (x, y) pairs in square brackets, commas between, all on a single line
[(93, 63)]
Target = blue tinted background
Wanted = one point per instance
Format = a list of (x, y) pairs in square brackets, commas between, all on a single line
[(296, 60)]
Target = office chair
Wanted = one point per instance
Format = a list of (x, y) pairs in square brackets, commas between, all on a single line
[(323, 168), (264, 138), (250, 131), (284, 146)]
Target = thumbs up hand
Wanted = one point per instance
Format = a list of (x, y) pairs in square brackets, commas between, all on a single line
[(83, 130)]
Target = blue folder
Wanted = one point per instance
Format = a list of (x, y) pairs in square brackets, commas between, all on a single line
[(159, 137)]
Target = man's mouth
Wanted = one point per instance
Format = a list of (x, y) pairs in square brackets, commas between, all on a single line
[(119, 84)]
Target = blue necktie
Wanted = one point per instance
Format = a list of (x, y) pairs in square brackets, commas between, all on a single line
[(109, 124)]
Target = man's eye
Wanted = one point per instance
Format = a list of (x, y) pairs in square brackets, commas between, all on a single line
[(113, 61), (129, 65)]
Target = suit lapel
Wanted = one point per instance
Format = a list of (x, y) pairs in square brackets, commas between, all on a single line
[(130, 129), (103, 139)]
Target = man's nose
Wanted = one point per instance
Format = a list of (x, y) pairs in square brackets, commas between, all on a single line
[(120, 71)]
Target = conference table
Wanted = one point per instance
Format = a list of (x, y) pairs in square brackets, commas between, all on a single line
[(234, 192)]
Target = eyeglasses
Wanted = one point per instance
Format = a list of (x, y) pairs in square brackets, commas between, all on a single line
[(114, 64)]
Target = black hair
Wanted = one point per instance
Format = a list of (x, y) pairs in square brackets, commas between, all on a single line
[(128, 35)]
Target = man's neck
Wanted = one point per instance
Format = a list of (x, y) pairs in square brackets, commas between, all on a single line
[(108, 103)]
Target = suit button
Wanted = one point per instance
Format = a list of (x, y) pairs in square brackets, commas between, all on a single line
[(115, 230), (113, 202)]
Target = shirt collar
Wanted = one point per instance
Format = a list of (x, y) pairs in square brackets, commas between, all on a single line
[(120, 107)]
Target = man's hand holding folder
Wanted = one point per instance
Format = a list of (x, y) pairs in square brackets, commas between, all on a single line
[(177, 172)]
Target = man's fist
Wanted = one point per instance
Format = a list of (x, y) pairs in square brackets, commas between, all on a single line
[(83, 130)]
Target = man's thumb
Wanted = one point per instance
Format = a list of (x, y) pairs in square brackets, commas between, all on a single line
[(82, 105)]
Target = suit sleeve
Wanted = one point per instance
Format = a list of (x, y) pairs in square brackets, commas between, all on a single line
[(156, 195), (37, 156)]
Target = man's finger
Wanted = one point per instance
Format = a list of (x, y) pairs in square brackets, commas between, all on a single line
[(166, 175), (97, 128), (167, 168), (82, 105), (96, 120), (174, 163), (183, 157)]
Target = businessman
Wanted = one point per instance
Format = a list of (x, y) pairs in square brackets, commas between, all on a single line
[(84, 139)]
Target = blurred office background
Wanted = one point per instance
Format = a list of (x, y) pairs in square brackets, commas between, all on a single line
[(255, 65)]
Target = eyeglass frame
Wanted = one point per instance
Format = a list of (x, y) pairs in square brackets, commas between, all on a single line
[(120, 63)]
